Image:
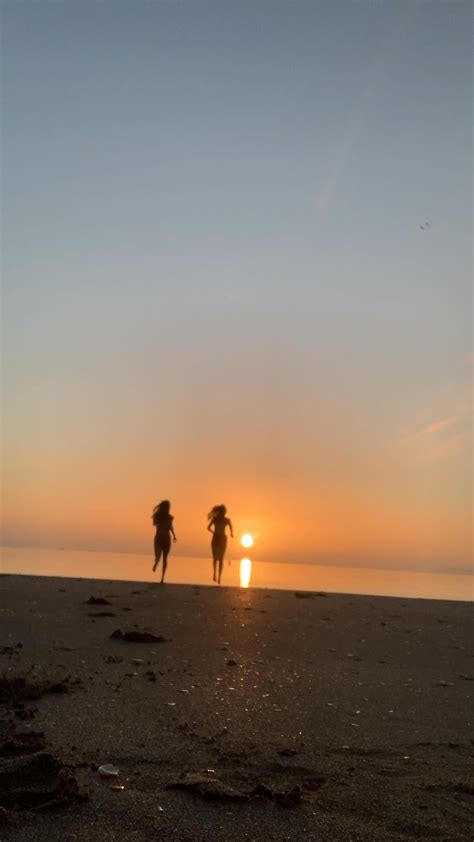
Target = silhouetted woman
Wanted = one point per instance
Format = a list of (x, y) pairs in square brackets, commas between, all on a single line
[(164, 529), (218, 523)]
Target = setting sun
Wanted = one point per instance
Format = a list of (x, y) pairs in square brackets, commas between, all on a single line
[(247, 540)]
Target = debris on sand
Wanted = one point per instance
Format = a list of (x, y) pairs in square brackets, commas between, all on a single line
[(35, 780), (208, 786), (59, 687), (23, 742), (102, 614), (288, 752), (137, 637), (304, 595), (232, 663), (97, 600), (108, 770), (15, 690), (290, 798), (11, 650)]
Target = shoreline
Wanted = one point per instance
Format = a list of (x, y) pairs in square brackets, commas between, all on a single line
[(214, 587), (256, 574)]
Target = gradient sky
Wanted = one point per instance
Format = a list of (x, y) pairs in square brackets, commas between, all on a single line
[(215, 284)]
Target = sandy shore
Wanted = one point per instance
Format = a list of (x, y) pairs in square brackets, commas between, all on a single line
[(328, 718)]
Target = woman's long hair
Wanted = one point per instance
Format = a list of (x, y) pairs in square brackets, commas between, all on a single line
[(161, 512), (217, 512)]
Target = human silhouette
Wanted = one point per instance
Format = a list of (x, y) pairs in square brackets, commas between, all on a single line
[(218, 523), (163, 521)]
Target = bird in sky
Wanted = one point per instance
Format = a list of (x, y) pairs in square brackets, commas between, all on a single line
[(426, 225)]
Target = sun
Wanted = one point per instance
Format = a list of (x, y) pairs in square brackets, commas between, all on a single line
[(247, 540)]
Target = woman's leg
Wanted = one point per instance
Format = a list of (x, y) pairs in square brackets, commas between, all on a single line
[(157, 554), (214, 561), (222, 549), (165, 562)]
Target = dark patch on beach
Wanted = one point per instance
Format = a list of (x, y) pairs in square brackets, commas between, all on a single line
[(207, 786), (15, 690), (11, 650), (288, 752), (137, 637), (35, 781), (23, 742), (102, 614), (289, 798), (97, 600)]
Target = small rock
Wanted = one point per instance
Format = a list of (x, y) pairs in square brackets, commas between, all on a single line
[(108, 771), (97, 600), (150, 674), (208, 786), (137, 637), (285, 799)]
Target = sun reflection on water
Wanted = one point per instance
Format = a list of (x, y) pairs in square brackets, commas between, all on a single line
[(245, 572)]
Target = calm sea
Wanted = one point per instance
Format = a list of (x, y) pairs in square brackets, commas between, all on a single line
[(243, 572)]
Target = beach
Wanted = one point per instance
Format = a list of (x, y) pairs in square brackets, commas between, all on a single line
[(251, 714)]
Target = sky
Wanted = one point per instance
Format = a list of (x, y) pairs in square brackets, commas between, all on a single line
[(218, 280)]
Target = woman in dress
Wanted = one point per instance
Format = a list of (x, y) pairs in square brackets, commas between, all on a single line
[(218, 523), (163, 521)]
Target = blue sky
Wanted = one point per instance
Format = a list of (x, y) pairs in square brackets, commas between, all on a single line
[(213, 264)]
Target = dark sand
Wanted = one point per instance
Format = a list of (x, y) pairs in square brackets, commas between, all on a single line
[(362, 703)]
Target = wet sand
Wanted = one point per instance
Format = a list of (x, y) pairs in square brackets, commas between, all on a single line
[(332, 717)]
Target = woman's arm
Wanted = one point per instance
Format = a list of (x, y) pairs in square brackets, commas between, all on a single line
[(230, 528), (209, 525), (173, 534)]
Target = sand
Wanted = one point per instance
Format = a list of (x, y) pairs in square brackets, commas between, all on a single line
[(332, 717)]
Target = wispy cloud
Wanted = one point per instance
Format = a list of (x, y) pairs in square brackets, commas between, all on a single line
[(437, 440), (437, 427)]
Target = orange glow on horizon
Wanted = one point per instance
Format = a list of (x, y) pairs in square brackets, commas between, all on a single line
[(85, 497)]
